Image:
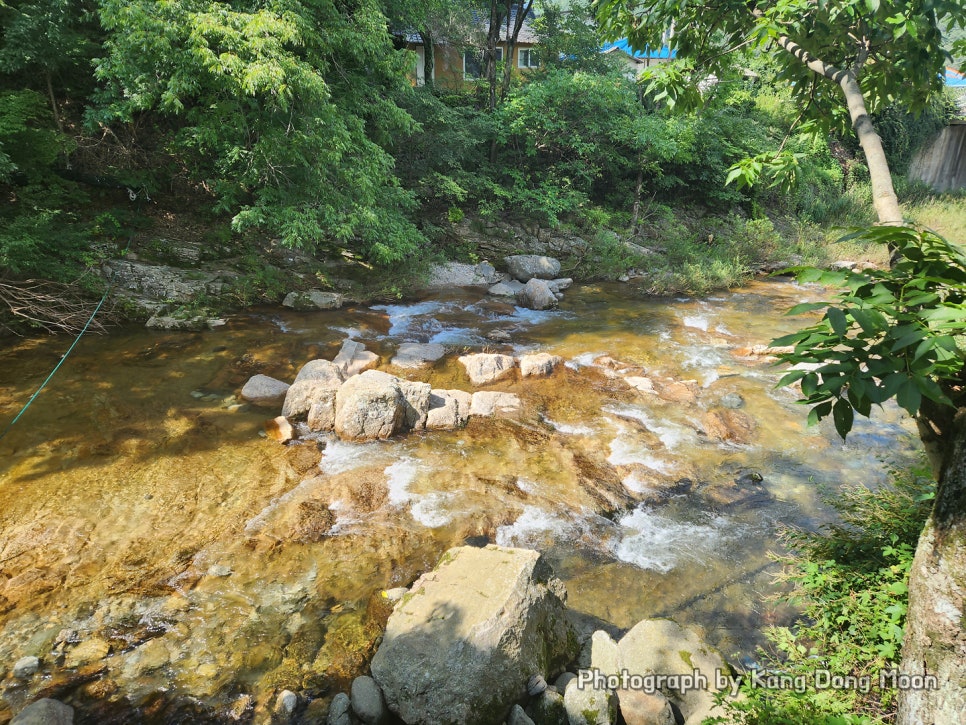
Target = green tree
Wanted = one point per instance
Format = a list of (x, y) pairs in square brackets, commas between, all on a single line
[(873, 51), (283, 109)]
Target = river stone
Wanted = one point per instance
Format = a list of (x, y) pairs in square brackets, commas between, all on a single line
[(484, 368), (417, 354), (537, 295), (448, 409), (320, 370), (541, 363), (45, 712), (263, 390), (729, 425), (150, 656), (509, 288), (603, 653), (642, 708), (367, 701), (664, 647), (416, 403), (313, 299), (486, 403), (279, 429), (589, 705), (90, 650), (321, 415), (353, 359), (559, 285), (518, 717), (304, 393), (525, 267), (732, 401), (460, 647), (369, 406), (548, 708), (640, 383), (339, 710), (26, 667), (286, 702), (460, 274)]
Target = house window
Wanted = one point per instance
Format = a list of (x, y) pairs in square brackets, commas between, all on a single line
[(473, 63), (528, 58)]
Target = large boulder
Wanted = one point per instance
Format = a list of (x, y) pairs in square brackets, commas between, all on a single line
[(316, 382), (527, 266), (264, 390), (537, 295), (369, 406), (510, 288), (313, 299), (448, 409), (462, 645), (417, 354), (320, 370), (353, 359), (664, 647), (484, 368)]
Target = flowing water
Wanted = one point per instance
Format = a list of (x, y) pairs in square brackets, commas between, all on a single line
[(169, 563)]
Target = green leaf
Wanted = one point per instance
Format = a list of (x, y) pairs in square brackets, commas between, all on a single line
[(842, 416), (837, 320), (909, 397)]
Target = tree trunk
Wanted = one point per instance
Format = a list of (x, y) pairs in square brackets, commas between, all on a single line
[(513, 34), (636, 209), (492, 38), (935, 640), (429, 58), (883, 194), (53, 102)]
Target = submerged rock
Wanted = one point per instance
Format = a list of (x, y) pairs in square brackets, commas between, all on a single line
[(264, 390), (525, 267), (729, 425), (461, 646), (45, 712), (417, 355), (484, 368), (486, 403), (26, 667)]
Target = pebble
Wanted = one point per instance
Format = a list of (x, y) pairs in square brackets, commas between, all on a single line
[(367, 702), (286, 701), (339, 710), (25, 667), (535, 685)]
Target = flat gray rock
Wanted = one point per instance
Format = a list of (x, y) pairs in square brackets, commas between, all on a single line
[(417, 354), (264, 390)]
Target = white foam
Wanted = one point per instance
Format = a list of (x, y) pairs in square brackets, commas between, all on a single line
[(568, 429), (401, 317), (657, 542), (302, 490), (634, 484), (429, 510), (625, 451), (670, 434), (583, 360), (527, 486), (533, 527), (340, 456), (699, 322), (399, 476)]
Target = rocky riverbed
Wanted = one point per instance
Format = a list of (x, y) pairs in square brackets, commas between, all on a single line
[(164, 561)]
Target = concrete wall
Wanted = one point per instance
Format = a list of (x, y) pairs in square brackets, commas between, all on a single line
[(942, 162)]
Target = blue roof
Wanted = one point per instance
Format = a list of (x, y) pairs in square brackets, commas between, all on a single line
[(955, 78), (623, 45)]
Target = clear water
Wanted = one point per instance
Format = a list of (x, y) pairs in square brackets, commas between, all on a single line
[(140, 506)]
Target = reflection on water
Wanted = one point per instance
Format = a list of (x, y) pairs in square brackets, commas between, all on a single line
[(148, 529)]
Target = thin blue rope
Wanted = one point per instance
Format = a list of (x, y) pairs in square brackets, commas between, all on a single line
[(97, 309), (57, 366)]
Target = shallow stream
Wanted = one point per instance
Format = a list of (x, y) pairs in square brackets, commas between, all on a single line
[(163, 558)]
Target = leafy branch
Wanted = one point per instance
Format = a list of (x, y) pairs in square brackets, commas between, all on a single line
[(897, 333)]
